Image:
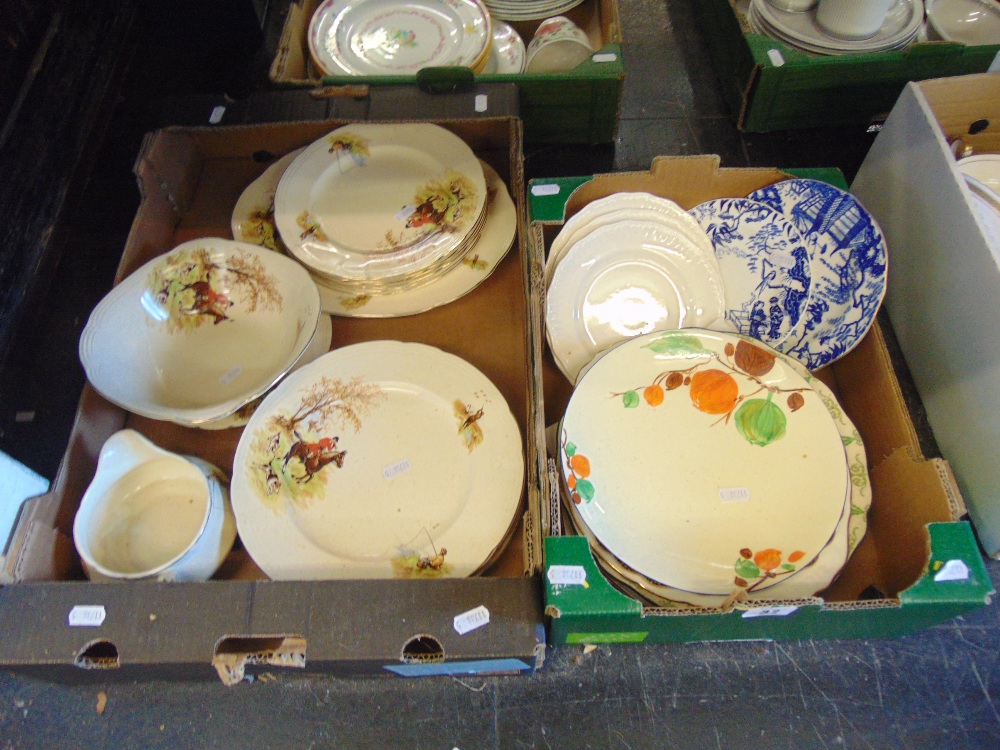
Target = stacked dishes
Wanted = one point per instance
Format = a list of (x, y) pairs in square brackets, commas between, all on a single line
[(388, 219), (800, 30), (623, 266), (529, 10), (379, 460), (759, 492), (507, 52), (394, 37)]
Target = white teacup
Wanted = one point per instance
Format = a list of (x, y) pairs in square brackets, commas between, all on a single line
[(852, 19), (152, 514), (557, 46)]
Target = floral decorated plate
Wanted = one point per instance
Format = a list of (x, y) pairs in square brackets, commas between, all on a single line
[(374, 202), (849, 261), (393, 37), (690, 452), (623, 280), (507, 52), (197, 333), (626, 206), (253, 215), (496, 240), (379, 460), (764, 263)]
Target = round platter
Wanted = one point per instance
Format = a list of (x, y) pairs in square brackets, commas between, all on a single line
[(764, 263), (376, 202), (379, 460), (623, 280), (756, 471), (388, 37), (849, 265), (253, 215)]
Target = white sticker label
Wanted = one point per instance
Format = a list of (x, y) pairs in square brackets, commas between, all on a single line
[(482, 102), (995, 65), (231, 375), (216, 117), (405, 213), (567, 575), (604, 57), (545, 189), (394, 470), (734, 494), (776, 58), (953, 570), (474, 618), (87, 615), (769, 612)]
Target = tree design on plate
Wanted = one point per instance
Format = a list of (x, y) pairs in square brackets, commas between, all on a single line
[(349, 144), (717, 383), (260, 229), (310, 228), (753, 569), (577, 473), (292, 455), (193, 288)]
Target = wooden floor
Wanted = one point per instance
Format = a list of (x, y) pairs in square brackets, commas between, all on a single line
[(167, 63)]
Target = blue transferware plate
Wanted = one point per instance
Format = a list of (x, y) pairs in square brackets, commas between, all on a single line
[(764, 263), (849, 264)]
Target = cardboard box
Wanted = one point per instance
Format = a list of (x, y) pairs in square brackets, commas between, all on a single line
[(190, 179), (944, 278), (888, 586), (771, 86), (579, 106)]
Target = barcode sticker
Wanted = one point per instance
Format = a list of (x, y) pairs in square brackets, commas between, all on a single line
[(394, 470), (776, 58), (405, 213), (87, 616), (604, 57), (474, 618), (953, 570), (734, 494), (216, 117), (482, 102), (545, 189), (567, 575), (769, 612), (231, 374)]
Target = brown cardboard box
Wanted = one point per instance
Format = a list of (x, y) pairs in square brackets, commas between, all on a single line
[(190, 179)]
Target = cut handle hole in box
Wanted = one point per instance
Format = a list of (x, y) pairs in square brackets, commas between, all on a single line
[(422, 649), (99, 654)]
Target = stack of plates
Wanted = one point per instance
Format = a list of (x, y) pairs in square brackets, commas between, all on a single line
[(623, 266), (398, 37), (759, 491), (529, 10), (799, 29), (389, 219), (379, 460)]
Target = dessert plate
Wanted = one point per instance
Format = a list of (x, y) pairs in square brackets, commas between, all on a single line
[(379, 202), (689, 497), (849, 261), (623, 280), (507, 53), (393, 37), (379, 460), (764, 264)]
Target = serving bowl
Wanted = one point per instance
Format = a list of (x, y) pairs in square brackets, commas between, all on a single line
[(197, 333)]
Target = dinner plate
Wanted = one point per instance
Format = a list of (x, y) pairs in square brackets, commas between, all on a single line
[(764, 263), (398, 37), (750, 484), (378, 202), (507, 52), (253, 215), (849, 261), (623, 280), (529, 10), (626, 206), (379, 460)]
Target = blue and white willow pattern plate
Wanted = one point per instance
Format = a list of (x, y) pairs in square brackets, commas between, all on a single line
[(849, 263), (764, 263)]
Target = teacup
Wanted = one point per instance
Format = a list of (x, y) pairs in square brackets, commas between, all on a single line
[(557, 46), (153, 514), (852, 19)]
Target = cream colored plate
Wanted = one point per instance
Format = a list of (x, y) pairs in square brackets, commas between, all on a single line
[(507, 52), (376, 202), (751, 483), (623, 280), (498, 235), (379, 460), (253, 215)]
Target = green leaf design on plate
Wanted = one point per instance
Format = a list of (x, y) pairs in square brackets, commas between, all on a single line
[(630, 399), (857, 510), (570, 449), (747, 569), (761, 421), (678, 344), (787, 566), (585, 489)]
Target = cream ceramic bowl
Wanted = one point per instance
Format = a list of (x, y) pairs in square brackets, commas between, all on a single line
[(972, 22), (197, 333), (151, 514)]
